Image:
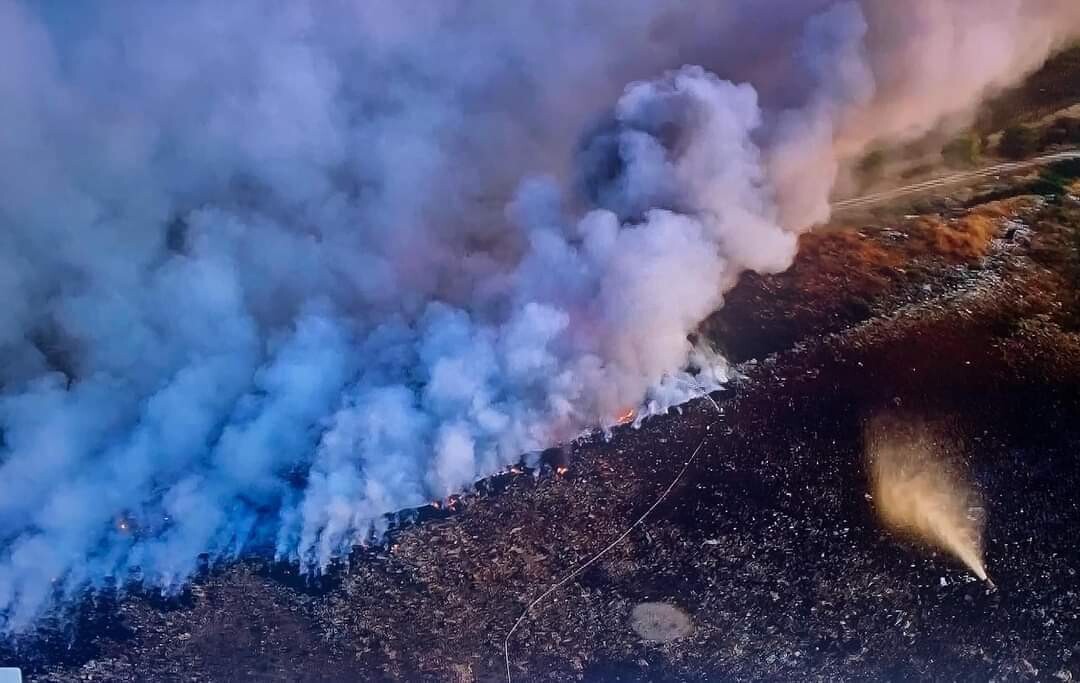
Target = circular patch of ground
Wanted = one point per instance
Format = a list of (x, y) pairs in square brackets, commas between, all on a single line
[(660, 622)]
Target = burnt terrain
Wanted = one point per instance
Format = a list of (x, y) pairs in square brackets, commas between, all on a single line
[(957, 307), (966, 314)]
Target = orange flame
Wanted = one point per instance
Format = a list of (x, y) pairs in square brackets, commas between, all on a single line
[(625, 416), (561, 470)]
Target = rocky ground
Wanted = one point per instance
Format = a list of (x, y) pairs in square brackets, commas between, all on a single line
[(767, 546)]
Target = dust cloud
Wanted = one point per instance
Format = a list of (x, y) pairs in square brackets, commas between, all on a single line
[(920, 490)]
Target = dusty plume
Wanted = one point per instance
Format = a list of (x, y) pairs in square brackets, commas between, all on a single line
[(920, 489)]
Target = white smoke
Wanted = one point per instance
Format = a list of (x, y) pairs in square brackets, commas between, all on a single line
[(273, 272)]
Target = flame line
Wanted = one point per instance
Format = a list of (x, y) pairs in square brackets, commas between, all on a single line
[(569, 577)]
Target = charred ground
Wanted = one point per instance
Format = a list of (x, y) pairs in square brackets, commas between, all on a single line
[(967, 313)]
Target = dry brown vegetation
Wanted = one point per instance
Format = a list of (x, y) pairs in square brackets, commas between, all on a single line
[(845, 274), (961, 240)]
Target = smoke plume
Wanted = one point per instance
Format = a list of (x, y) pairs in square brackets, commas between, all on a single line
[(271, 271)]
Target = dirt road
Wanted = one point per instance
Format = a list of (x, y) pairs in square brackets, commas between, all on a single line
[(875, 198)]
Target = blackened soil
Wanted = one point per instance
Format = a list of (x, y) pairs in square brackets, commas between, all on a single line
[(768, 542)]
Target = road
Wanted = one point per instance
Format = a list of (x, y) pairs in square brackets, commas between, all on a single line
[(954, 179)]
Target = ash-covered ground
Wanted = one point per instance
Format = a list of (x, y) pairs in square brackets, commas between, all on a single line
[(967, 314)]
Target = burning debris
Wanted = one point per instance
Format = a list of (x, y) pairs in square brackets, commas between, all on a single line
[(556, 459)]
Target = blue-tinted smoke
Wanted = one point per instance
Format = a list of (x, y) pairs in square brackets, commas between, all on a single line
[(271, 271)]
